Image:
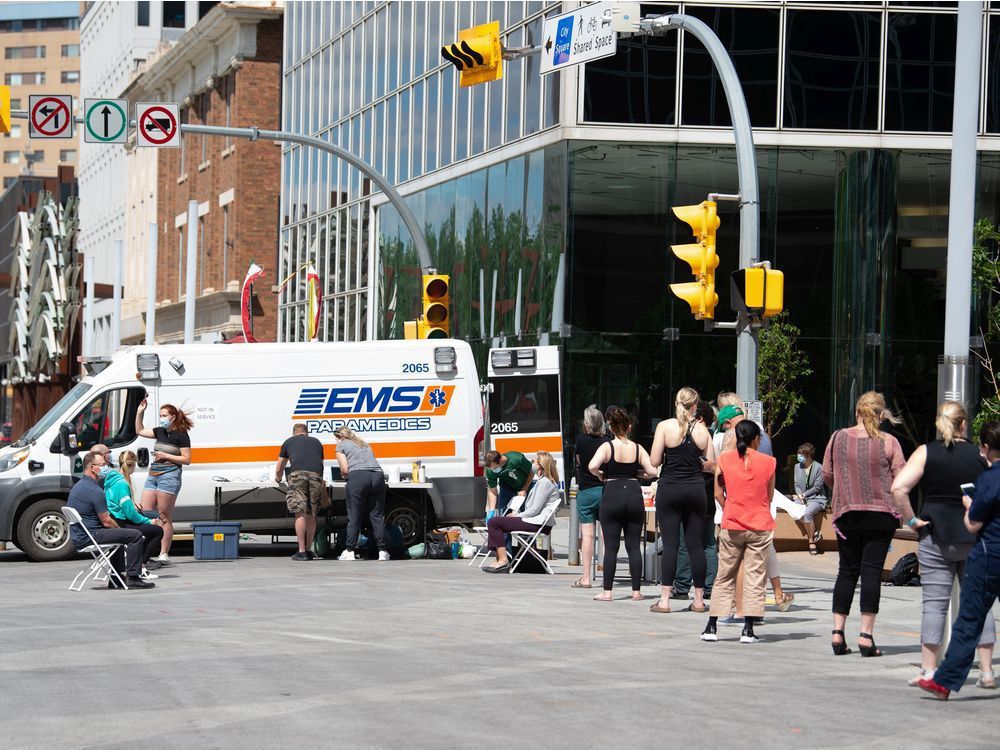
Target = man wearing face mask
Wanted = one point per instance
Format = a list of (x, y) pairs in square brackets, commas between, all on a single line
[(810, 491), (87, 498)]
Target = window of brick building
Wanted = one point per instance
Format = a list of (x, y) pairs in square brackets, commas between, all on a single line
[(70, 76), (67, 155), (173, 15), (11, 157), (24, 53), (23, 79), (71, 50)]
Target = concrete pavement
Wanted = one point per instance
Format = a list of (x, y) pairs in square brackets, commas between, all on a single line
[(266, 652)]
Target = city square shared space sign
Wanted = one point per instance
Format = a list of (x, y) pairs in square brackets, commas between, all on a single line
[(576, 37)]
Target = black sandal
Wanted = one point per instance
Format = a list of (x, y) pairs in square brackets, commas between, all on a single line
[(812, 548), (839, 649), (871, 650)]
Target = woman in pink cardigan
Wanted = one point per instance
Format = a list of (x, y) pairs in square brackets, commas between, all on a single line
[(860, 463)]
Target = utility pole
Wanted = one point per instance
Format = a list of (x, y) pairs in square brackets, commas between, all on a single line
[(955, 370), (746, 165)]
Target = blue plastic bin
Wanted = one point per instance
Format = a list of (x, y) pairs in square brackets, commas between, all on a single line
[(216, 541)]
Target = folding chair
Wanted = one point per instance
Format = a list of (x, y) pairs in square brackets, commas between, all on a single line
[(100, 568), (526, 539), (482, 550)]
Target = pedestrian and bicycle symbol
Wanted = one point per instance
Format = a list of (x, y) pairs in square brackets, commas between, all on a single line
[(50, 116), (105, 121), (157, 125)]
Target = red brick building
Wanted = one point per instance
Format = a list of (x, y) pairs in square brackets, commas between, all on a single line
[(224, 71)]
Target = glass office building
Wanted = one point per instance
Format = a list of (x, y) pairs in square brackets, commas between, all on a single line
[(548, 199)]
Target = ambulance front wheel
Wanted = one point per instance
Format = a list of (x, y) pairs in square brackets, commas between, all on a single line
[(408, 517)]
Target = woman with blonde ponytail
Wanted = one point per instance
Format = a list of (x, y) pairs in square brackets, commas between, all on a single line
[(683, 446), (940, 468), (365, 491), (860, 463)]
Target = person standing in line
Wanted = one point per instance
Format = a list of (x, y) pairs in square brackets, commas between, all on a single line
[(87, 499), (365, 491), (682, 581), (730, 399), (544, 492), (810, 491), (941, 467), (171, 451), (681, 447), (619, 463), (744, 485), (981, 585), (589, 487), (118, 495), (306, 488), (729, 416), (861, 463), (507, 475)]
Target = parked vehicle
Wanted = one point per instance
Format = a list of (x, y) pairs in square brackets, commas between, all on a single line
[(416, 400)]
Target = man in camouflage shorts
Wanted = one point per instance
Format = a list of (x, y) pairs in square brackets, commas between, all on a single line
[(306, 492)]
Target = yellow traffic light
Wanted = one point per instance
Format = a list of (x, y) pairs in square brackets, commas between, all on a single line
[(702, 258), (762, 290), (435, 323), (478, 54), (4, 109)]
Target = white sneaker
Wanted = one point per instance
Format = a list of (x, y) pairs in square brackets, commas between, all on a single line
[(147, 576), (347, 555), (987, 680), (383, 555), (163, 558)]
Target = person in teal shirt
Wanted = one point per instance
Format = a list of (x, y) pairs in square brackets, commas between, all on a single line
[(121, 506), (507, 474)]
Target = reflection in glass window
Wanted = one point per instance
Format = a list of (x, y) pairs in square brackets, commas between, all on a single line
[(447, 111), (920, 72), (636, 85), (478, 120), (532, 80), (417, 129), (430, 141), (462, 102), (495, 118), (751, 38), (404, 136), (531, 402), (992, 76), (831, 70)]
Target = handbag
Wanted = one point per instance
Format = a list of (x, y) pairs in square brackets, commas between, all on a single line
[(438, 546)]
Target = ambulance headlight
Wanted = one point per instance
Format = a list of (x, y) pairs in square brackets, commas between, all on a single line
[(444, 359), (14, 459)]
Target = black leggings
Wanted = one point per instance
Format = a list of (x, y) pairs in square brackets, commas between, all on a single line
[(867, 536), (622, 510), (678, 504)]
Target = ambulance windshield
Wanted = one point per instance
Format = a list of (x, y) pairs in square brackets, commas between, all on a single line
[(525, 403)]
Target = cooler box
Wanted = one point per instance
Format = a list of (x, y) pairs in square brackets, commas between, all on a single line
[(216, 541)]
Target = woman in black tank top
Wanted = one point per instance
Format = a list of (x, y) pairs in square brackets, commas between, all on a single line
[(619, 463), (940, 468), (684, 447)]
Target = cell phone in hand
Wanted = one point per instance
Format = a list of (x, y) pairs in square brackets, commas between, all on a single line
[(968, 488)]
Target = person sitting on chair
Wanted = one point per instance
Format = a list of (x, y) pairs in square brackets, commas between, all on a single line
[(530, 516), (120, 497), (87, 499)]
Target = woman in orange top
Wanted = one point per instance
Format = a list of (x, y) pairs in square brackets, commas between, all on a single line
[(744, 486)]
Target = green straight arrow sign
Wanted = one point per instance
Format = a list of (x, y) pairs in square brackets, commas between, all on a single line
[(105, 121)]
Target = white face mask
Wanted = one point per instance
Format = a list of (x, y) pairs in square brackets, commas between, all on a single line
[(800, 458)]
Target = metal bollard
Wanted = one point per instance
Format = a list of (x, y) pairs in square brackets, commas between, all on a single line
[(574, 530)]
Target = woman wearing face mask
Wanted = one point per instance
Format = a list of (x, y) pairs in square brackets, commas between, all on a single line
[(171, 451), (118, 495), (540, 498), (810, 491)]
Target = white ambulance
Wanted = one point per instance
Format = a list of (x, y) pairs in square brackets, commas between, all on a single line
[(411, 400), (525, 402)]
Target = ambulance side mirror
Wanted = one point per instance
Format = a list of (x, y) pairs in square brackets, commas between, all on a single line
[(68, 444)]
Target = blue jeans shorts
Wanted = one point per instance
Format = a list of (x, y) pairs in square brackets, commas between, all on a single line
[(169, 483)]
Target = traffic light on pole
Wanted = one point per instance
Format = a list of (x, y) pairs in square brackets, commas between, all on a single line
[(435, 323), (758, 292), (4, 109), (701, 256), (478, 54)]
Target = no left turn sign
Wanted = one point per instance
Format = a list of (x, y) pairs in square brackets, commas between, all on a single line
[(50, 116), (157, 125)]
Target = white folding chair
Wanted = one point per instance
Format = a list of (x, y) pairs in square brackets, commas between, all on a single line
[(482, 550), (101, 568), (526, 539)]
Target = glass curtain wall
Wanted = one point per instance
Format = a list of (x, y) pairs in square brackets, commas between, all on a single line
[(369, 77), (856, 66)]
